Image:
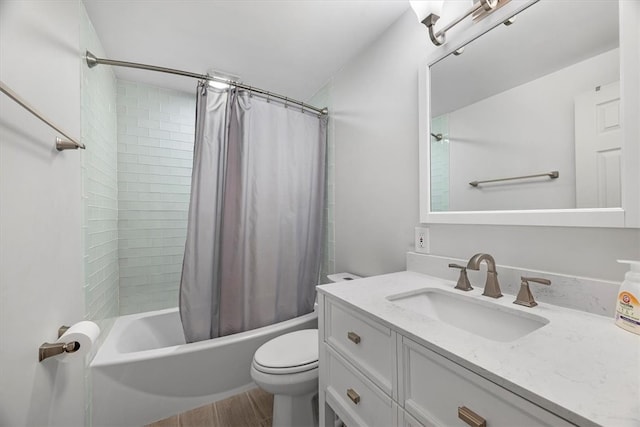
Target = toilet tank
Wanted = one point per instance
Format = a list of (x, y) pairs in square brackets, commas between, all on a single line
[(337, 277), (341, 277)]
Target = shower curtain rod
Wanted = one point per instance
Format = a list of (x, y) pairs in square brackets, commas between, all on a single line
[(92, 61)]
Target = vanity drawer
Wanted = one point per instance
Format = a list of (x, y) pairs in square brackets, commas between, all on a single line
[(406, 420), (356, 400), (368, 345), (434, 389)]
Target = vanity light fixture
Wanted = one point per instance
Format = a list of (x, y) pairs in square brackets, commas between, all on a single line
[(428, 12)]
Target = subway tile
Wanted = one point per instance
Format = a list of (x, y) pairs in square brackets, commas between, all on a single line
[(127, 100), (189, 129), (165, 161), (148, 123), (167, 143), (169, 153), (158, 133), (99, 92), (154, 177), (160, 116), (172, 127), (135, 130), (187, 110), (140, 112), (184, 120), (157, 225), (185, 137), (127, 120), (165, 179), (127, 158), (156, 205), (138, 252), (135, 243), (151, 261)]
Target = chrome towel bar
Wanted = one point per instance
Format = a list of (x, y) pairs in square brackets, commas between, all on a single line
[(552, 175), (61, 144)]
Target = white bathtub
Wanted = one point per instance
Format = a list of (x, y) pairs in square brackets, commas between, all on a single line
[(144, 371)]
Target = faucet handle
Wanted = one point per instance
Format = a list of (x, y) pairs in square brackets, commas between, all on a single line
[(463, 280), (525, 297)]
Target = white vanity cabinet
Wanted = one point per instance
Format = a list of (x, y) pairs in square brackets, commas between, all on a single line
[(363, 342), (358, 401), (371, 375), (438, 392), (406, 420), (357, 366)]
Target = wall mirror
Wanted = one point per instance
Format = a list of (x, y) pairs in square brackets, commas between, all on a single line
[(522, 120)]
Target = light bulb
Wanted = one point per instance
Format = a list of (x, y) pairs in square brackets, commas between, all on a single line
[(218, 85)]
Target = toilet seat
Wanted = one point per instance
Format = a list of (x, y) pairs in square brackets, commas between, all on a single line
[(285, 371), (290, 353)]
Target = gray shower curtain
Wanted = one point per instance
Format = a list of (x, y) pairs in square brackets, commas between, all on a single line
[(254, 239)]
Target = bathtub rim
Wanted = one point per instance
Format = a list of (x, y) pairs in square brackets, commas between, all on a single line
[(108, 354)]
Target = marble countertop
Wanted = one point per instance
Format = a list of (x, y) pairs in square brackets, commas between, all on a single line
[(580, 366)]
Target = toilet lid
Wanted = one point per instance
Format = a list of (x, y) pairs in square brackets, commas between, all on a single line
[(295, 351)]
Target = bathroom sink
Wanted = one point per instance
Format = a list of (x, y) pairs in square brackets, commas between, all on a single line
[(482, 318)]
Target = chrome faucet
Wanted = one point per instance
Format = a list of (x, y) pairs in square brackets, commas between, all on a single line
[(491, 287)]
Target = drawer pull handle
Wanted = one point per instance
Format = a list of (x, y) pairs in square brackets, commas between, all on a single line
[(355, 397), (470, 417), (354, 337)]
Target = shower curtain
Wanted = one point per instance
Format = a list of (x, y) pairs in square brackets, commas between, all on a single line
[(253, 250)]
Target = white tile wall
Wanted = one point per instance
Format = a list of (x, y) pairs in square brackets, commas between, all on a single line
[(323, 99), (100, 186), (155, 153), (440, 165), (99, 193)]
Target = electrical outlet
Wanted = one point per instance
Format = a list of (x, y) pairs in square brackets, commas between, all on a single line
[(422, 240)]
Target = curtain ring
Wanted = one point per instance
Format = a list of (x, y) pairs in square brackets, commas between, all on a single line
[(250, 92), (286, 102), (302, 107), (268, 97)]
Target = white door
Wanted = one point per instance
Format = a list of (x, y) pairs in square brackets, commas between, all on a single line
[(598, 147)]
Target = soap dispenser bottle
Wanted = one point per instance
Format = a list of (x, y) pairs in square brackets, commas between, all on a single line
[(628, 303)]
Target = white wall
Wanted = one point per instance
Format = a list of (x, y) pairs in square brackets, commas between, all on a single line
[(376, 181), (41, 277), (374, 105), (156, 129)]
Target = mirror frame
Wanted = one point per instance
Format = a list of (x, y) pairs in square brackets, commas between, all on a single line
[(628, 215)]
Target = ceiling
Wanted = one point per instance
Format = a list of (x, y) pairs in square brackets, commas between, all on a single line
[(290, 47)]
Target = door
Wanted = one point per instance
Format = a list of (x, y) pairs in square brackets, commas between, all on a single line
[(598, 147)]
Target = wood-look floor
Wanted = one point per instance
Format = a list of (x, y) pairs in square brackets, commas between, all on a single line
[(251, 409)]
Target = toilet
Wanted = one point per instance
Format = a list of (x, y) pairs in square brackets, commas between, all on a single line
[(287, 367)]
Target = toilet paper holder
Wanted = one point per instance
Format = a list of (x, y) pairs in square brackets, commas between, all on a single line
[(47, 350)]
